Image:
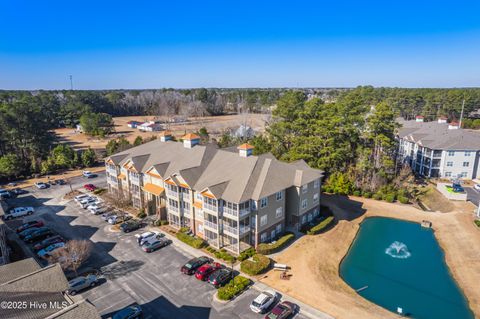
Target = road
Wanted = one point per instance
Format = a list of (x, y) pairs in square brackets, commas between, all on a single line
[(473, 195), (132, 276)]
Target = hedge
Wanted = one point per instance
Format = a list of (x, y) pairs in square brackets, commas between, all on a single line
[(267, 249), (403, 200), (259, 265), (222, 254), (320, 226), (246, 254), (195, 242), (233, 288), (99, 191), (477, 222)]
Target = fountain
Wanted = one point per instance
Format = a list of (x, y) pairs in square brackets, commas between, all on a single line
[(398, 250)]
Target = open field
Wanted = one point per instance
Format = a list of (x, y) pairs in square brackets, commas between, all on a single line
[(215, 125), (314, 260)]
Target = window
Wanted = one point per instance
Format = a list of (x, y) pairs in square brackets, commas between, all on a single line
[(279, 212), (304, 219), (467, 153), (465, 164), (310, 217), (279, 228), (272, 234), (304, 203), (199, 197), (316, 183), (279, 195), (263, 202), (263, 237), (263, 220), (449, 164), (448, 174), (451, 153), (464, 174), (315, 197), (316, 212), (254, 205), (304, 188)]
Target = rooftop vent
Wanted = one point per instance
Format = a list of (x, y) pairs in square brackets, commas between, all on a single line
[(245, 150), (418, 118), (190, 140)]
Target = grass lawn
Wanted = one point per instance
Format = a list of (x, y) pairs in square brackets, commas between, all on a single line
[(451, 191)]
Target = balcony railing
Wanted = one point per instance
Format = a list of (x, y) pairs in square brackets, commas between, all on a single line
[(212, 208), (229, 211), (230, 229), (244, 212), (210, 225), (172, 193), (134, 179), (112, 171), (173, 208), (244, 229), (185, 196)]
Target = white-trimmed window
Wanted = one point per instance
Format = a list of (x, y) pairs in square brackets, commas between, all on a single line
[(464, 174), (466, 164), (279, 228), (304, 188), (279, 212), (263, 202), (448, 174), (263, 220), (449, 164), (279, 195), (316, 183), (199, 197), (304, 203), (467, 153), (315, 197), (263, 237), (451, 153)]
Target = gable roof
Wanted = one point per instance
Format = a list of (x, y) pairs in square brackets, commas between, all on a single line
[(17, 269), (48, 279)]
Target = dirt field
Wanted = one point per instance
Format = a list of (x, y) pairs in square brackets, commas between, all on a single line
[(215, 125), (314, 260)]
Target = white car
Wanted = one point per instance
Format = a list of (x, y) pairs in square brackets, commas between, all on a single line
[(50, 249), (264, 301), (88, 174), (148, 236), (97, 209), (477, 187), (79, 198), (89, 201), (41, 185), (18, 212)]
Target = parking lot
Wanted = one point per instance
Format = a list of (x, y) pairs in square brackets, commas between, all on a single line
[(132, 276), (473, 195)]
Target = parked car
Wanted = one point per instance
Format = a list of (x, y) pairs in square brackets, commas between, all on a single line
[(106, 216), (220, 277), (282, 310), (157, 244), (27, 231), (89, 174), (30, 224), (89, 201), (37, 235), (264, 301), (81, 197), (19, 191), (80, 283), (130, 225), (5, 194), (18, 212), (477, 187), (130, 312), (457, 188), (47, 242), (61, 182), (148, 236), (204, 271), (12, 184), (193, 264), (115, 219), (45, 252), (90, 187), (41, 185), (97, 210)]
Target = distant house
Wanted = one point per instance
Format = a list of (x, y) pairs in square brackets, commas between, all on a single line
[(150, 126), (244, 131), (133, 124)]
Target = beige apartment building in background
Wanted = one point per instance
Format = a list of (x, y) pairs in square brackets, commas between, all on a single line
[(229, 197)]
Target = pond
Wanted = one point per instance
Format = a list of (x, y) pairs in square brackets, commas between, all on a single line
[(398, 264)]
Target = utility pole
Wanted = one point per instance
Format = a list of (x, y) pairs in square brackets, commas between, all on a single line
[(71, 83), (461, 114)]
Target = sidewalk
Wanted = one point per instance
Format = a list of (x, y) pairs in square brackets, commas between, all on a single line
[(305, 309)]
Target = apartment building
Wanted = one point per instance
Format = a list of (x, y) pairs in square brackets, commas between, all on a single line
[(229, 197), (440, 149)]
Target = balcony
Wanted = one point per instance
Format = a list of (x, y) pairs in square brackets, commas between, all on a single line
[(134, 179), (172, 193), (211, 225), (230, 212), (244, 230), (244, 212), (173, 209), (112, 171), (231, 230), (211, 208), (185, 197)]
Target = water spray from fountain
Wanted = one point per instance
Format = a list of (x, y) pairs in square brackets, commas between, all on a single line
[(398, 250)]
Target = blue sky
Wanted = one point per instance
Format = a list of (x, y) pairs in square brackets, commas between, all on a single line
[(182, 44)]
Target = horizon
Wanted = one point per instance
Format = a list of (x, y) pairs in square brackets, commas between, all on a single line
[(115, 46)]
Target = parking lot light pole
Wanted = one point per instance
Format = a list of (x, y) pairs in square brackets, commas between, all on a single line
[(233, 274)]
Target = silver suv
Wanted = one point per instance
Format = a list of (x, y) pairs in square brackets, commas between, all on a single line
[(81, 283)]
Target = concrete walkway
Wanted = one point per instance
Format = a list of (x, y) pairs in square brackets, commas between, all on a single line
[(305, 309)]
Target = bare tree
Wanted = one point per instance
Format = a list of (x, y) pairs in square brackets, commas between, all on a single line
[(73, 254)]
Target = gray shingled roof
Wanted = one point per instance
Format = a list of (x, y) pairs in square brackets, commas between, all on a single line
[(48, 279), (79, 310), (228, 175), (31, 297), (17, 269), (437, 136)]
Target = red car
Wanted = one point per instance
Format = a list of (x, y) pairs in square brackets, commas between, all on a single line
[(282, 310), (90, 187), (30, 224), (204, 271)]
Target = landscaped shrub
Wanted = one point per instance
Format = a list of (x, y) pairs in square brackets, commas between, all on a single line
[(267, 249), (403, 200), (99, 191), (377, 196), (259, 265), (195, 242), (211, 249), (367, 194), (159, 222), (477, 222), (390, 198), (233, 288), (246, 254), (320, 226), (142, 214), (164, 222), (357, 193), (224, 255)]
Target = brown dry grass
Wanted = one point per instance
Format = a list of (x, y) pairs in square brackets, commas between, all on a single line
[(314, 260)]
